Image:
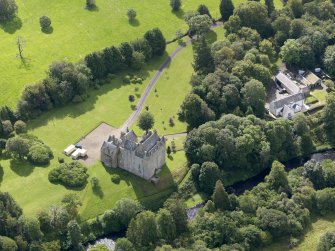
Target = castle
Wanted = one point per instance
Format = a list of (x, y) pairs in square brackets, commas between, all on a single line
[(144, 158)]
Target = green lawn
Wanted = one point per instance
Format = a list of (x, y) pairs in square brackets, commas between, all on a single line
[(320, 95), (29, 185), (171, 89), (76, 32), (311, 238)]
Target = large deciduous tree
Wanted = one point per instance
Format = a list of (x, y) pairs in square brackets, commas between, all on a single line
[(146, 121), (156, 40), (8, 10), (329, 59), (254, 96), (203, 59)]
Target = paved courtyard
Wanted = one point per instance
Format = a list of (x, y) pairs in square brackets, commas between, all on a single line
[(92, 142)]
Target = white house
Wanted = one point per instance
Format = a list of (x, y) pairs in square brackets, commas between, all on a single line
[(288, 106)]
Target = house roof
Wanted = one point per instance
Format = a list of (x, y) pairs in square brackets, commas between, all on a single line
[(287, 82), (287, 100), (309, 78)]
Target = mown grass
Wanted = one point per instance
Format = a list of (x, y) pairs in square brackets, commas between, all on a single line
[(164, 102), (77, 31), (320, 95)]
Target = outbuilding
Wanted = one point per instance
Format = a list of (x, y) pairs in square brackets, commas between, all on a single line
[(69, 150)]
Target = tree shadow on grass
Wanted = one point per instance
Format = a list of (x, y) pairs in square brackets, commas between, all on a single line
[(98, 191), (25, 63), (92, 8), (179, 13), (75, 110), (1, 174), (21, 167), (211, 37), (134, 22), (11, 26), (48, 30)]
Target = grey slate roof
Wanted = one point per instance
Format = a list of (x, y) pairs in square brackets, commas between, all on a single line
[(287, 83), (289, 99)]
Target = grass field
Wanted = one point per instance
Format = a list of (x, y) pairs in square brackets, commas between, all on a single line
[(320, 95), (311, 238), (172, 88), (76, 32)]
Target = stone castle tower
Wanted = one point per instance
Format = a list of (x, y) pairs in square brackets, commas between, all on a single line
[(144, 158)]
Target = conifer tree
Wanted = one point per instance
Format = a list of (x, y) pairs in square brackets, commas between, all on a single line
[(203, 60), (269, 6), (220, 197), (226, 9)]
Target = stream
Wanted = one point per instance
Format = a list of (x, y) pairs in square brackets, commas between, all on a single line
[(238, 188)]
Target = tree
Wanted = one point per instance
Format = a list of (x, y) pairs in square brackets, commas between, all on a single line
[(329, 59), (199, 24), (203, 10), (194, 111), (31, 229), (6, 113), (45, 23), (18, 146), (269, 6), (95, 63), (138, 60), (277, 178), (327, 241), (177, 209), (142, 45), (146, 121), (226, 9), (142, 230), (74, 236), (90, 4), (254, 95), (290, 52), (126, 209), (72, 202), (254, 15), (166, 225), (314, 172), (209, 175), (175, 4), (131, 14), (7, 128), (168, 150), (123, 244), (274, 221), (112, 59), (127, 53), (7, 244), (156, 41), (297, 8), (19, 127), (220, 196), (328, 116), (8, 10), (20, 43), (203, 59)]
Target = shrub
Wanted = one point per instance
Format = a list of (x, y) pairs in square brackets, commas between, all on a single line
[(60, 160), (115, 178), (45, 23), (20, 127), (126, 79), (72, 174), (131, 98), (175, 4), (138, 60), (131, 14), (90, 4), (39, 154), (7, 244)]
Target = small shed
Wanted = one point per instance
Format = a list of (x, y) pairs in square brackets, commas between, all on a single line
[(70, 149), (83, 153), (76, 154)]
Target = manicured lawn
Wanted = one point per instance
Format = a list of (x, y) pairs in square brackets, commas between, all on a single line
[(171, 89), (29, 185), (320, 95), (311, 100), (76, 32), (311, 238)]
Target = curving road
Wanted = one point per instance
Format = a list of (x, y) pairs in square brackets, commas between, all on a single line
[(139, 107)]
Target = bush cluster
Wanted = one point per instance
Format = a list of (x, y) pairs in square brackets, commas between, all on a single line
[(72, 174)]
